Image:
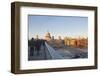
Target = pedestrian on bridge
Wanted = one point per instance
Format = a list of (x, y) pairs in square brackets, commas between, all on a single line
[(32, 47), (43, 43), (38, 46)]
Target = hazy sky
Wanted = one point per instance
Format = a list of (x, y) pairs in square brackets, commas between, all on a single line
[(57, 26)]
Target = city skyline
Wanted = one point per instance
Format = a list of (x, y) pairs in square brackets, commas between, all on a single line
[(57, 26)]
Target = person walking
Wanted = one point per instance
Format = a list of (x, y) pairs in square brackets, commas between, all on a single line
[(43, 43), (38, 46), (32, 47)]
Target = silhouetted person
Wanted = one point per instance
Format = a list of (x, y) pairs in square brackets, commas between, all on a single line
[(32, 47), (38, 46), (43, 43)]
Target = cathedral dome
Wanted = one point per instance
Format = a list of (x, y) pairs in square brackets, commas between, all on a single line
[(47, 34)]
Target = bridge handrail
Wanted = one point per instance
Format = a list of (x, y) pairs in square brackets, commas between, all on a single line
[(54, 54)]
